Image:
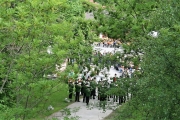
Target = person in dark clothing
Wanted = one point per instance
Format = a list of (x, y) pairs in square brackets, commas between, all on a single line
[(103, 97), (71, 87), (102, 94), (84, 91), (77, 90), (99, 88), (82, 87), (121, 94), (115, 96), (88, 93), (120, 99), (109, 95), (93, 90)]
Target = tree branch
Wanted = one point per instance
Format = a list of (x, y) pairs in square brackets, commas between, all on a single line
[(6, 78)]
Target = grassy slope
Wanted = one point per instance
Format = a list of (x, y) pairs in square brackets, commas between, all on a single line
[(125, 112), (56, 100)]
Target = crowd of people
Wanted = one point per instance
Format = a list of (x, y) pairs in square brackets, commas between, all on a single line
[(108, 43), (102, 90), (116, 89), (84, 88)]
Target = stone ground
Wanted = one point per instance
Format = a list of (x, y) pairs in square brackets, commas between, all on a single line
[(80, 111)]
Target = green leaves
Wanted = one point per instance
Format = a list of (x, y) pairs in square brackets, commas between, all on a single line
[(131, 21), (26, 30), (61, 53)]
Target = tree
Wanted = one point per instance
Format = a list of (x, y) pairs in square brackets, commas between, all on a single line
[(157, 95), (161, 66), (27, 29)]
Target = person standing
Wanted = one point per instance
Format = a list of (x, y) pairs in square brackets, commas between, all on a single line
[(88, 93), (82, 87), (120, 92), (71, 87), (114, 78), (84, 91), (109, 95), (114, 43), (93, 86), (103, 97), (99, 88), (77, 90)]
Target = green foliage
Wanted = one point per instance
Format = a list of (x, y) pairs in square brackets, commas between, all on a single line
[(155, 94), (27, 29), (53, 91)]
